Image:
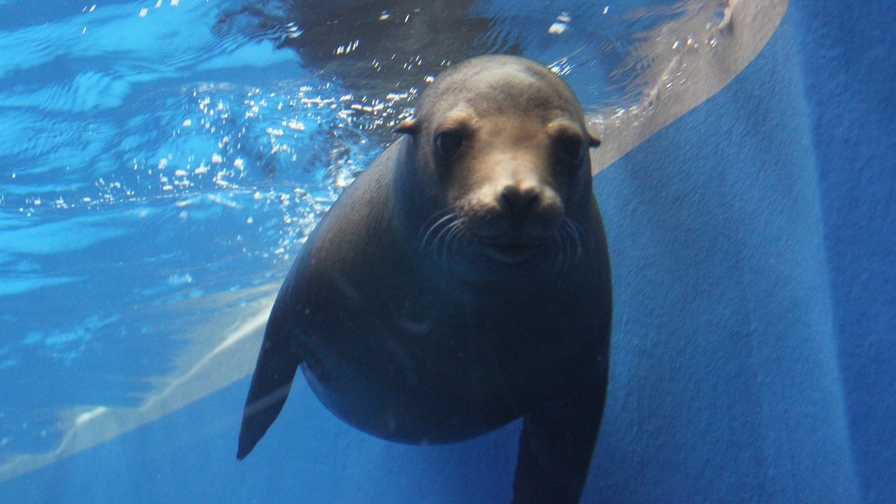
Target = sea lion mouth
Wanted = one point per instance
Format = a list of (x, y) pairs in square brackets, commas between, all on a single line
[(511, 251)]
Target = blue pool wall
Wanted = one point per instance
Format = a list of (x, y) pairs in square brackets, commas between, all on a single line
[(849, 71), (754, 248)]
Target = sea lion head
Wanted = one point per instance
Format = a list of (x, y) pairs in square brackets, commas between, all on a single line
[(501, 159)]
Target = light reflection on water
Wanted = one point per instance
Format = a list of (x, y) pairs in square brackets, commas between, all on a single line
[(145, 160)]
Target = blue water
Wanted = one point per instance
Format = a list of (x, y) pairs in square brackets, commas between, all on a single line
[(160, 165), (145, 161)]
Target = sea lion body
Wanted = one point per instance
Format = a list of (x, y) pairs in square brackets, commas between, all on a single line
[(461, 282)]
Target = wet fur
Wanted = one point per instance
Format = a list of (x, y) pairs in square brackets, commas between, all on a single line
[(430, 307)]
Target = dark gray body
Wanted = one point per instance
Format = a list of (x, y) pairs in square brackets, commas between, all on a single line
[(438, 342)]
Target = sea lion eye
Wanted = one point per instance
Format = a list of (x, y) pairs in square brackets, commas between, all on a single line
[(572, 150), (447, 143)]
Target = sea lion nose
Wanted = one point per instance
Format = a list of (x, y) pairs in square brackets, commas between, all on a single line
[(519, 203)]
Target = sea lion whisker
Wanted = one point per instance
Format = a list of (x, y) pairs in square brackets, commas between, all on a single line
[(457, 230), (438, 215), (558, 252), (444, 232), (564, 260), (575, 234), (461, 234), (443, 237), (434, 219), (456, 227), (432, 228)]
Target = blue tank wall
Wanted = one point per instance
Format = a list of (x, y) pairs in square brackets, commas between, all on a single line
[(725, 379), (850, 73), (754, 251)]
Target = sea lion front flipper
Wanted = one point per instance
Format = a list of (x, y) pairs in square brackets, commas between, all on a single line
[(271, 381), (555, 451)]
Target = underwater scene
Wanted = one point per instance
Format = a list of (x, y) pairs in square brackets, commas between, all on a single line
[(164, 163)]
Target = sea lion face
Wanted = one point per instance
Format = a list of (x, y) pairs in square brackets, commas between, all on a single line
[(503, 139)]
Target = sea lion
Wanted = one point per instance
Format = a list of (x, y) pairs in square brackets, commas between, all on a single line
[(461, 282)]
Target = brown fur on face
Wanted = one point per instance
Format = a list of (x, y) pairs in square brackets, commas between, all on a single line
[(512, 172)]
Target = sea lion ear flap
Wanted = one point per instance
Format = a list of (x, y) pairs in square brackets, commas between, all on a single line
[(593, 141), (408, 127)]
